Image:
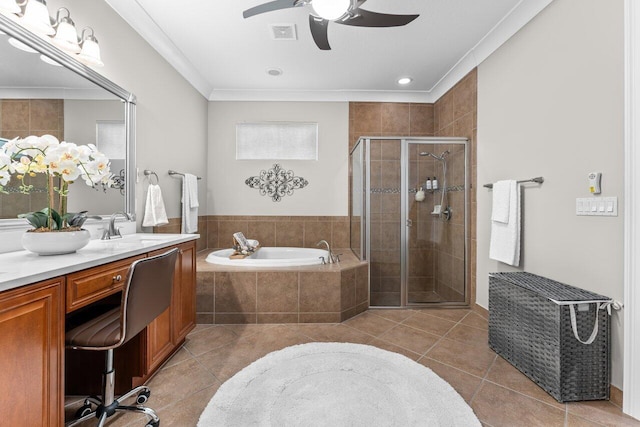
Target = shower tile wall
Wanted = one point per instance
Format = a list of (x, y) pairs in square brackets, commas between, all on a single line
[(455, 114), (21, 118), (387, 119)]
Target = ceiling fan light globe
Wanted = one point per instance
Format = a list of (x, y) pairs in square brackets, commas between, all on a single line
[(331, 9)]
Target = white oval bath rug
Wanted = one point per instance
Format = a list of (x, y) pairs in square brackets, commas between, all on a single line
[(336, 384)]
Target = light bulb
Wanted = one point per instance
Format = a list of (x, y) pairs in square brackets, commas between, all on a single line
[(330, 9), (36, 18), (90, 53)]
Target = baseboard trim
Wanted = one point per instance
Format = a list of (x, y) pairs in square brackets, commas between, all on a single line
[(615, 396)]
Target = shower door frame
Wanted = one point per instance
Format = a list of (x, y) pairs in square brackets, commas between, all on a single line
[(404, 235), (404, 194)]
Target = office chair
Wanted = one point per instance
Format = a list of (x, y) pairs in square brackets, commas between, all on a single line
[(146, 295)]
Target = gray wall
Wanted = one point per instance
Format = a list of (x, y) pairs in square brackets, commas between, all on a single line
[(171, 114), (550, 103), (327, 191)]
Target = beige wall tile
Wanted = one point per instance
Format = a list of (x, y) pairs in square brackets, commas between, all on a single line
[(235, 293), (320, 292), (277, 292), (395, 118)]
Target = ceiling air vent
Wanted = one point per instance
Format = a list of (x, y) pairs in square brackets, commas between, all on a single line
[(283, 31)]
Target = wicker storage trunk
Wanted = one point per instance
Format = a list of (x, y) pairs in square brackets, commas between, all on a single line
[(530, 326)]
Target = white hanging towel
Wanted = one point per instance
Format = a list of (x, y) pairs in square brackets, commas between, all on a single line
[(501, 198), (154, 211), (189, 203), (505, 236)]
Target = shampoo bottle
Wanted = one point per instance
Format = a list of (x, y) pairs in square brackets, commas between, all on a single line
[(428, 183), (434, 183)]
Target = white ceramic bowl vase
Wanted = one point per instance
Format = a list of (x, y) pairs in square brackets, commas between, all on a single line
[(55, 242)]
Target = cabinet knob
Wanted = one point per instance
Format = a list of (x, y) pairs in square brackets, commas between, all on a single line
[(117, 278)]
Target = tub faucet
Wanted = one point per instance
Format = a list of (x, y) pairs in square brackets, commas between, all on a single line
[(112, 232), (331, 258)]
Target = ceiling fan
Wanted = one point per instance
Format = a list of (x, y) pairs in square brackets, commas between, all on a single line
[(345, 12)]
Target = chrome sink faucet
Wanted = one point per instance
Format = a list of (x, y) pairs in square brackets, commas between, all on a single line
[(332, 259), (112, 232)]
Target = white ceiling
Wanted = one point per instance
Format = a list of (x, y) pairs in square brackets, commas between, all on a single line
[(226, 57)]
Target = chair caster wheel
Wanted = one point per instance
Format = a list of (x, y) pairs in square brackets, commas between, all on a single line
[(142, 398), (153, 424), (83, 411)]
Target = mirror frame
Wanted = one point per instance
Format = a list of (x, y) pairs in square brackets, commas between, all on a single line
[(15, 30)]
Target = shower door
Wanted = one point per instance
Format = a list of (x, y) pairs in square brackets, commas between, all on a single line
[(413, 237), (435, 231), (385, 223)]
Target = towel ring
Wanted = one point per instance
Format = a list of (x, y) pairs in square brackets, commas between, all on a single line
[(148, 173)]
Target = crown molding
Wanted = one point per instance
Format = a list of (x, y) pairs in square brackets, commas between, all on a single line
[(518, 17), (140, 21), (508, 26), (319, 95)]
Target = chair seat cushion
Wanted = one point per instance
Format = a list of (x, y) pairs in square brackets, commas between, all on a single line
[(100, 332)]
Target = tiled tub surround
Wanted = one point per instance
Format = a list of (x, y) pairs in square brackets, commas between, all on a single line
[(306, 294)]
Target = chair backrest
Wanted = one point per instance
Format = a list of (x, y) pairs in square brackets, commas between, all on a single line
[(147, 293)]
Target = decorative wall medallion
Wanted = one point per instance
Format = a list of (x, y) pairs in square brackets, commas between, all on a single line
[(276, 182)]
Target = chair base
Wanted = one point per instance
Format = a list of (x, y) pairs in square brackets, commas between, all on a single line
[(102, 411)]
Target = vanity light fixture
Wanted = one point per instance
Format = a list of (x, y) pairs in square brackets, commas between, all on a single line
[(10, 6), (36, 17), (330, 9), (66, 37), (404, 80), (90, 53)]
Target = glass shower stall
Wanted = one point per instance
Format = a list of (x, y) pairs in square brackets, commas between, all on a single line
[(409, 200)]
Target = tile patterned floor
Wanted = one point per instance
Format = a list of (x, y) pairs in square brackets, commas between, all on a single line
[(453, 343)]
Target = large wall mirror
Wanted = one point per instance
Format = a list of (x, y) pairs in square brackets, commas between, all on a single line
[(45, 91)]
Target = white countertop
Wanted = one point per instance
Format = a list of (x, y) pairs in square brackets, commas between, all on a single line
[(23, 267)]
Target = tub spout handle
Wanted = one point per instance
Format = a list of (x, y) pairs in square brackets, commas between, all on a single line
[(322, 260)]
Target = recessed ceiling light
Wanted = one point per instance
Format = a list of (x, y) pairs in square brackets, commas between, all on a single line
[(405, 80), (275, 72)]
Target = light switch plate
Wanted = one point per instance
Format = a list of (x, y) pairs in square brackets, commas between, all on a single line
[(597, 206)]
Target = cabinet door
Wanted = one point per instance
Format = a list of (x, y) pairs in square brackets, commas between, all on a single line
[(31, 352), (170, 328), (159, 340), (184, 305)]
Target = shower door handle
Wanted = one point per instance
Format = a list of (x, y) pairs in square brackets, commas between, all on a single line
[(409, 223)]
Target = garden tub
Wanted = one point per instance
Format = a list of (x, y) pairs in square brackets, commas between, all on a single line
[(270, 257)]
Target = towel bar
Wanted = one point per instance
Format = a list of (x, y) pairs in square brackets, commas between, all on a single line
[(172, 173), (537, 179)]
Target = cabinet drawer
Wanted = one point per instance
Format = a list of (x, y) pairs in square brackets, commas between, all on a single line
[(88, 286)]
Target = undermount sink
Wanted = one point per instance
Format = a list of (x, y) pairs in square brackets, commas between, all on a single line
[(134, 239)]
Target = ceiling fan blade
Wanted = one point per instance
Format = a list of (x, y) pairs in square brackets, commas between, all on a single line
[(318, 28), (268, 7), (365, 18)]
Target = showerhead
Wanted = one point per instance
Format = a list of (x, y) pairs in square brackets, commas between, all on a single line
[(441, 157)]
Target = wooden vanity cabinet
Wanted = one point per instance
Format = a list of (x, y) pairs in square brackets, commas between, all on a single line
[(168, 331), (33, 318), (31, 355)]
